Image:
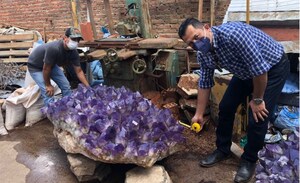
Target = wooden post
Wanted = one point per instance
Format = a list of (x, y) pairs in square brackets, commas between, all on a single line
[(145, 19), (74, 13), (200, 10), (248, 12), (91, 17), (44, 34), (212, 12), (109, 16)]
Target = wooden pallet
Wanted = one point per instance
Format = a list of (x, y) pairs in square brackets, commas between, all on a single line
[(14, 48)]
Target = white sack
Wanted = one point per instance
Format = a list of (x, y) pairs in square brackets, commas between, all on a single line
[(15, 114), (3, 130), (34, 114)]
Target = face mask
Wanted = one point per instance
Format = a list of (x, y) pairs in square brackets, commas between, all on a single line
[(72, 45), (202, 44)]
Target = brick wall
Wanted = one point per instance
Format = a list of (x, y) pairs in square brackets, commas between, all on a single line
[(55, 15)]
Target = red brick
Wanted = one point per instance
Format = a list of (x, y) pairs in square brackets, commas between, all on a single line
[(56, 15)]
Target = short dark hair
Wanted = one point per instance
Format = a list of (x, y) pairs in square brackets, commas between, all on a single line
[(189, 21)]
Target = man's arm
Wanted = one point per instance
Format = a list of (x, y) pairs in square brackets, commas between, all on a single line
[(81, 76), (202, 101), (46, 74), (242, 43), (259, 86)]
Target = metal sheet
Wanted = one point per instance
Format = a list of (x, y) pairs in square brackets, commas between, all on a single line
[(290, 46), (264, 16), (263, 10)]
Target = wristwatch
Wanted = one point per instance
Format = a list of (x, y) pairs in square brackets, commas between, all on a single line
[(258, 101)]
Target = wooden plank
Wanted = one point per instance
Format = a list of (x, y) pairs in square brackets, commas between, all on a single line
[(200, 10), (16, 45), (236, 150), (109, 16), (74, 13), (16, 37), (19, 60), (91, 17), (14, 53), (212, 12), (158, 43)]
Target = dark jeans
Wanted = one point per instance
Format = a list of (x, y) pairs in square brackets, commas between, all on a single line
[(236, 93)]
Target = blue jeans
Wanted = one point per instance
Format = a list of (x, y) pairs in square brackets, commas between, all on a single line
[(58, 77), (236, 93)]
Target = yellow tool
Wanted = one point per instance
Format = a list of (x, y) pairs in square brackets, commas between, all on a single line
[(196, 127)]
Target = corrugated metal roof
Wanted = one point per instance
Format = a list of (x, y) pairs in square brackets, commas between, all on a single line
[(265, 5), (263, 10)]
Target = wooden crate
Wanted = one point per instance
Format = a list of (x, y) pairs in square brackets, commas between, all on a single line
[(15, 48)]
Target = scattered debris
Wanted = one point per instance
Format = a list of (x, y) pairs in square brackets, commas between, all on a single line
[(9, 73)]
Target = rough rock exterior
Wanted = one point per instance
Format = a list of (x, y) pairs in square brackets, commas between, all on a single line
[(86, 169), (155, 174)]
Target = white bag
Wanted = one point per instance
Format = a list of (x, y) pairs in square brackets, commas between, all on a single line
[(22, 99), (26, 96), (16, 103), (3, 131), (34, 114), (15, 114)]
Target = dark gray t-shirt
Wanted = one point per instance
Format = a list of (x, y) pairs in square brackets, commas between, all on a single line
[(52, 53)]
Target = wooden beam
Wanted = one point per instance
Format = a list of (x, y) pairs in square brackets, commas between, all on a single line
[(109, 16), (248, 12), (91, 17), (200, 10), (212, 12)]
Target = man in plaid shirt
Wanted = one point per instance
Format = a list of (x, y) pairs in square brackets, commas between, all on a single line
[(260, 68)]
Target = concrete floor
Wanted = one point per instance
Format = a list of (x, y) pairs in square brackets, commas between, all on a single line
[(32, 155)]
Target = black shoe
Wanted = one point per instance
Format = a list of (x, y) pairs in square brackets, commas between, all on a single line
[(245, 171), (213, 158)]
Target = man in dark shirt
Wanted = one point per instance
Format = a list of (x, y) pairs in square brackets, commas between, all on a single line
[(260, 68), (44, 61)]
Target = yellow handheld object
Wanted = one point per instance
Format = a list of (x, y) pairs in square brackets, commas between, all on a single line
[(196, 127)]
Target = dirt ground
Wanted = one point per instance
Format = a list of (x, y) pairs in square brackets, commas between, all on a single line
[(39, 151), (183, 167)]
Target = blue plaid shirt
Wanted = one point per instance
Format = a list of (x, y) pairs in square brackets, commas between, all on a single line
[(243, 50)]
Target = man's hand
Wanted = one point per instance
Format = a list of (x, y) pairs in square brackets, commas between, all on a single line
[(198, 119), (50, 90), (259, 111)]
